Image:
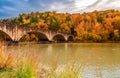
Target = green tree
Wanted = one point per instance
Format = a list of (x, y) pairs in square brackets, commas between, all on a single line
[(100, 19), (54, 24)]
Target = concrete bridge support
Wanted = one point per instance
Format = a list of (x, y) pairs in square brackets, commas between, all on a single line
[(16, 32)]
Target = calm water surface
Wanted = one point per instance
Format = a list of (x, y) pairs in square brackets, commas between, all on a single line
[(96, 59)]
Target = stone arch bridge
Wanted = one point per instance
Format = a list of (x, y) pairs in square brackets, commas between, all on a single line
[(16, 32)]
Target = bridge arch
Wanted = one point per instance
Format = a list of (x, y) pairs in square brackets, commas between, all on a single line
[(58, 37), (34, 35), (15, 33), (5, 36), (70, 38)]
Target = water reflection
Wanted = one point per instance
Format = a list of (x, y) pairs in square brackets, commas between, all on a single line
[(97, 60)]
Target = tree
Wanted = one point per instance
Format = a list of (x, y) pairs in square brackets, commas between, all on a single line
[(26, 21), (42, 25), (100, 19), (65, 28), (34, 19), (80, 28), (68, 18), (33, 24), (33, 37), (97, 28), (116, 22), (54, 24), (116, 35)]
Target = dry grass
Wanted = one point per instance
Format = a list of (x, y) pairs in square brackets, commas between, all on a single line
[(7, 60), (28, 65), (7, 63)]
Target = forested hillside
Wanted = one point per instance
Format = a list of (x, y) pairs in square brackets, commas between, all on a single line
[(95, 26)]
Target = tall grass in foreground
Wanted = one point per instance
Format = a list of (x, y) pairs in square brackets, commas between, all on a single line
[(68, 72), (65, 71), (7, 63), (28, 65), (18, 65)]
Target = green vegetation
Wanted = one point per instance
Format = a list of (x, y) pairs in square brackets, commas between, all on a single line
[(96, 26), (29, 65)]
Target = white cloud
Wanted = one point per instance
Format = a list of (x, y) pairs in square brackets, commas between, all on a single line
[(71, 6), (104, 5), (82, 3), (91, 5)]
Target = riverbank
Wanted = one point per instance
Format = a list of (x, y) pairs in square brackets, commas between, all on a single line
[(59, 60), (29, 65), (95, 42), (24, 43), (70, 42)]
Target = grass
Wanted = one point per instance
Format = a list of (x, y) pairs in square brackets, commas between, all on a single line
[(28, 65), (25, 69), (70, 72), (7, 63)]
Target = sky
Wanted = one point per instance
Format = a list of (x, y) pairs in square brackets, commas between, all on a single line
[(12, 8)]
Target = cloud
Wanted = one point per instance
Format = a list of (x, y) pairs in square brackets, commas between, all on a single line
[(12, 8), (81, 6), (59, 6), (97, 5)]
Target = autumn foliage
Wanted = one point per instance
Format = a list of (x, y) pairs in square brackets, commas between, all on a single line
[(94, 26)]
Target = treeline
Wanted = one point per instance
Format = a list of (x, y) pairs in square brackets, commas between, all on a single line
[(95, 26)]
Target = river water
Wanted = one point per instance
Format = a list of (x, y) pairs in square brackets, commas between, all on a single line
[(96, 59)]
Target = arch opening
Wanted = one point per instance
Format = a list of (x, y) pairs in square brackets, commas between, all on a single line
[(34, 36), (4, 36), (59, 38), (70, 38), (5, 39)]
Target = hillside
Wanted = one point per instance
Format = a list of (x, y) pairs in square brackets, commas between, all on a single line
[(95, 26)]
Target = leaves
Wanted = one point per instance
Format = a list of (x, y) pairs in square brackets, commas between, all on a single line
[(42, 25), (65, 28), (101, 23)]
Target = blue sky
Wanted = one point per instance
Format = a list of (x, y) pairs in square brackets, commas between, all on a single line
[(12, 8)]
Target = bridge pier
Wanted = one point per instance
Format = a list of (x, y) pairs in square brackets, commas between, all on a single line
[(15, 32), (16, 42)]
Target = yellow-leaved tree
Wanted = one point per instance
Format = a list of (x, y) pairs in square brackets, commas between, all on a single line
[(65, 28), (26, 21), (42, 25)]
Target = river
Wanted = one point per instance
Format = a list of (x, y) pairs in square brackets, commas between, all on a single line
[(96, 59)]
